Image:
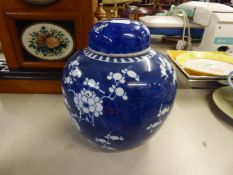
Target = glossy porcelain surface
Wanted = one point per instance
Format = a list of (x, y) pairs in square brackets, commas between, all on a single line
[(118, 102), (119, 36)]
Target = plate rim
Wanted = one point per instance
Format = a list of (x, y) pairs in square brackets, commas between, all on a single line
[(203, 53), (205, 72), (217, 103)]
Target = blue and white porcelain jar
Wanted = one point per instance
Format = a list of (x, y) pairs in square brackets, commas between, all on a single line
[(118, 91)]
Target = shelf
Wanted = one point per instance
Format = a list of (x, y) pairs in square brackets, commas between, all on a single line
[(29, 81)]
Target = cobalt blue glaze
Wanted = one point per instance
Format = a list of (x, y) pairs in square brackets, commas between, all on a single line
[(119, 36), (118, 102)]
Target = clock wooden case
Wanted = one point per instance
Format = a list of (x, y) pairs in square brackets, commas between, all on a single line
[(74, 16)]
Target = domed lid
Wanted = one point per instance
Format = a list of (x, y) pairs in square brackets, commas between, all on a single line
[(119, 36)]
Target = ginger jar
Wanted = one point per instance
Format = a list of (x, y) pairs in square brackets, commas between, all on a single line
[(118, 90)]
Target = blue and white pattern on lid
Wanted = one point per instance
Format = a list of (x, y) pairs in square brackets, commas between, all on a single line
[(150, 54), (119, 36)]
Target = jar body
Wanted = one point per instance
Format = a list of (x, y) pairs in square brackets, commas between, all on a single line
[(118, 103)]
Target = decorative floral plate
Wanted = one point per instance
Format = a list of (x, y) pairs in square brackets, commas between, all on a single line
[(47, 41)]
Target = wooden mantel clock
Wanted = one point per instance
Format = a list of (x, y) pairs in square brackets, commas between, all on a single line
[(40, 35)]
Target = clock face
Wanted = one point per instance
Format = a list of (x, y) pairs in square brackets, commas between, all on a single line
[(47, 41), (39, 2)]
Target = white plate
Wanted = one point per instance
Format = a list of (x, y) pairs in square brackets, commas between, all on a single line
[(209, 67)]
